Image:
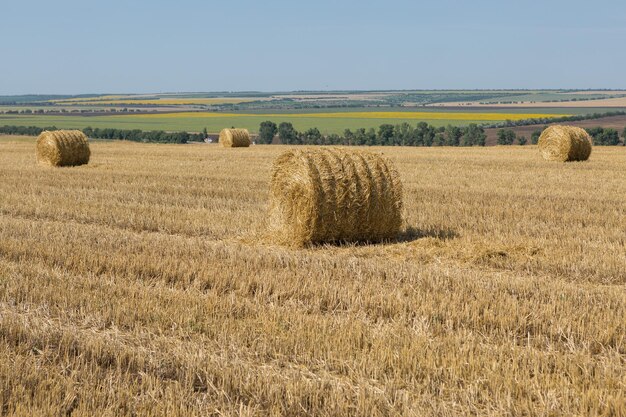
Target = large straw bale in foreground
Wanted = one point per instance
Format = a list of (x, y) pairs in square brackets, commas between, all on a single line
[(334, 195), (565, 143), (63, 148), (234, 138)]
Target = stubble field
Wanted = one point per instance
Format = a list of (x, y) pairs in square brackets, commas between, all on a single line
[(143, 284)]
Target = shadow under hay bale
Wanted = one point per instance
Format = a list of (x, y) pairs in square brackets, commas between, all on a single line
[(411, 234), (234, 138), (334, 195), (565, 143), (63, 148)]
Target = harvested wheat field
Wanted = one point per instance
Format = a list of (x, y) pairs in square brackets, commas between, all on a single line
[(144, 283)]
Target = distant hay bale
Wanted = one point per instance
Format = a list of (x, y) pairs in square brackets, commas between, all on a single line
[(234, 138), (565, 143), (63, 148), (334, 195)]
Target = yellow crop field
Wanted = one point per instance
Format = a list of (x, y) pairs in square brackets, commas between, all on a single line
[(144, 283), (364, 115)]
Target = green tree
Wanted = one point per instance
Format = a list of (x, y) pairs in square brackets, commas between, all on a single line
[(287, 134), (534, 138), (311, 137), (385, 134), (403, 133), (424, 134), (333, 139), (267, 131), (602, 136), (360, 137), (624, 137), (595, 133), (370, 137), (348, 137), (430, 136), (205, 133), (610, 137), (506, 137), (473, 135), (522, 140), (452, 135)]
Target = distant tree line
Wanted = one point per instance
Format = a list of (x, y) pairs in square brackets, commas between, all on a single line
[(606, 136), (546, 120), (404, 134), (24, 130), (601, 136), (136, 135), (72, 111), (36, 98)]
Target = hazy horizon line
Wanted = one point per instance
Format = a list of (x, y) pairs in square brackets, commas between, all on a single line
[(312, 91)]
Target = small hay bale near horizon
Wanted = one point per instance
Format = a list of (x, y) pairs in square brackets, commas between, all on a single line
[(334, 195), (234, 138), (565, 143), (63, 148)]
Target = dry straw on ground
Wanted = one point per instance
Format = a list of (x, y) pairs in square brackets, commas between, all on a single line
[(129, 291), (565, 143), (63, 148), (332, 195), (234, 138)]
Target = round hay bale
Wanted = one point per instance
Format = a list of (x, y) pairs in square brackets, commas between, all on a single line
[(334, 195), (565, 143), (234, 138), (63, 148)]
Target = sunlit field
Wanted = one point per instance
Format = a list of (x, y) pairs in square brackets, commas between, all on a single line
[(144, 283), (327, 122), (369, 115)]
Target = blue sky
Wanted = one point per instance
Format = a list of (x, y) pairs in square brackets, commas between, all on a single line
[(72, 47)]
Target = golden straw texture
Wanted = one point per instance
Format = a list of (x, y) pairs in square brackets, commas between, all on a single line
[(234, 138), (334, 195), (565, 143), (63, 148)]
